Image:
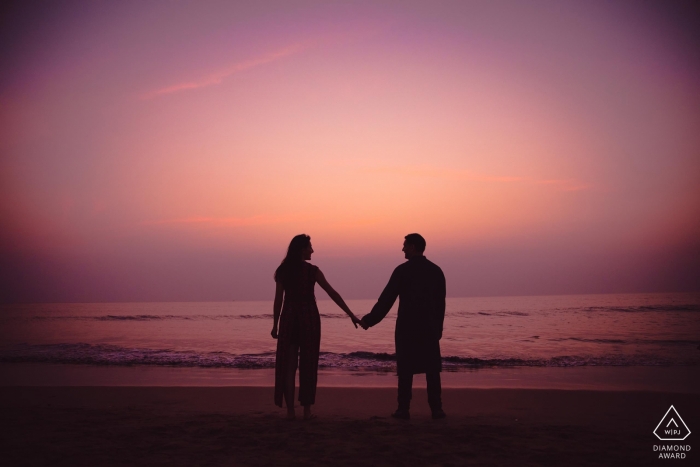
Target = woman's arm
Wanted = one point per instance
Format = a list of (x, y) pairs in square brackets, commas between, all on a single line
[(277, 308), (335, 296)]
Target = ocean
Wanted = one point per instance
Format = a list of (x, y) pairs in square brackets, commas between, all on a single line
[(480, 334)]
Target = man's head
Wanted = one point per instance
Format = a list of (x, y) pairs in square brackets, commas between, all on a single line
[(413, 245)]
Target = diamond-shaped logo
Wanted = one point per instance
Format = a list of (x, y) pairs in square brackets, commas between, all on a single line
[(672, 427)]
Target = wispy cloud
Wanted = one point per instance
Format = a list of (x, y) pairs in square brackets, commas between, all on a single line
[(219, 76), (224, 221), (449, 174), (437, 173), (565, 185)]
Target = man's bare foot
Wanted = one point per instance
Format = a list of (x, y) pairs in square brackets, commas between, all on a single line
[(291, 415)]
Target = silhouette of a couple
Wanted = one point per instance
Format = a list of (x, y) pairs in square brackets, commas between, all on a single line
[(418, 283)]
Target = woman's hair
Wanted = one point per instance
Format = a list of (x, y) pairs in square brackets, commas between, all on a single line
[(291, 264)]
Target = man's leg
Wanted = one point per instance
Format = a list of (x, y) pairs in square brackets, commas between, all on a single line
[(405, 390), (435, 394), (405, 386), (434, 390)]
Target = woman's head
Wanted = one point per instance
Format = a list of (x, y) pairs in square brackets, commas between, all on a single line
[(299, 250)]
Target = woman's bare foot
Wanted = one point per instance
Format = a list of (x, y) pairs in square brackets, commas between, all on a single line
[(290, 414), (307, 413)]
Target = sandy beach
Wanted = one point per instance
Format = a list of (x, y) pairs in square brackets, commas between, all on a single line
[(241, 426)]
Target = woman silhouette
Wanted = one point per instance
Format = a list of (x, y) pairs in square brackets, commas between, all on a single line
[(299, 335)]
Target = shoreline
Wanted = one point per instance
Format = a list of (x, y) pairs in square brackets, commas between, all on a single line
[(679, 379), (241, 426)]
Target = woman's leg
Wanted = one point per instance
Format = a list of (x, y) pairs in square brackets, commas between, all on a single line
[(307, 380), (308, 362), (292, 359)]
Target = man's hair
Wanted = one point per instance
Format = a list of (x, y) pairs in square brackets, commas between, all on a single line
[(417, 241)]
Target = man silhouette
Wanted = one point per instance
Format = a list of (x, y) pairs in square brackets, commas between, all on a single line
[(420, 286)]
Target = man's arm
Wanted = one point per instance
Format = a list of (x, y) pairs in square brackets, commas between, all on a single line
[(440, 295), (385, 302)]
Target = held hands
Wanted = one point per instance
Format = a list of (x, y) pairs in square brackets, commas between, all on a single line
[(274, 332), (357, 321)]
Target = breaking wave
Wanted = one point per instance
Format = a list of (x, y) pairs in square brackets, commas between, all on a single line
[(110, 355)]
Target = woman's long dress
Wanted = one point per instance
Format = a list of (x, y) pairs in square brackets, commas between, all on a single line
[(300, 326)]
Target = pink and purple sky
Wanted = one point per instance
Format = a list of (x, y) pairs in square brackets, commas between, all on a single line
[(170, 150)]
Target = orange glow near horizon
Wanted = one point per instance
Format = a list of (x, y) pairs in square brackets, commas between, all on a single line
[(234, 128)]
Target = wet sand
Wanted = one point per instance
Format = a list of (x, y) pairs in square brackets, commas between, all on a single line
[(241, 426), (679, 379)]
